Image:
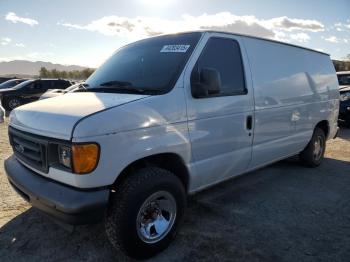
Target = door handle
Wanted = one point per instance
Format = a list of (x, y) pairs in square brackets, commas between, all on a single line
[(249, 123)]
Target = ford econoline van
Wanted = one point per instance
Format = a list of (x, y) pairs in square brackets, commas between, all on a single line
[(166, 117)]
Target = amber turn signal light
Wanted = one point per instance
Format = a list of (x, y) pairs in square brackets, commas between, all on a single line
[(85, 157)]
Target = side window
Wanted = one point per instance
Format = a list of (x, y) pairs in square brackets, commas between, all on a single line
[(59, 84), (224, 56), (56, 84), (30, 86), (34, 86), (47, 84)]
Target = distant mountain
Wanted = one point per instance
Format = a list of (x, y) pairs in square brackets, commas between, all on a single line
[(23, 67)]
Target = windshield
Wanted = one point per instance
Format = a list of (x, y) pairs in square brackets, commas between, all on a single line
[(19, 86), (344, 79), (151, 66), (11, 83)]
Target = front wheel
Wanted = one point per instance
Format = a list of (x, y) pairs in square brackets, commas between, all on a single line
[(313, 154), (11, 103), (145, 212)]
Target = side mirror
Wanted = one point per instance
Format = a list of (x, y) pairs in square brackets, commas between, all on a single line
[(209, 83)]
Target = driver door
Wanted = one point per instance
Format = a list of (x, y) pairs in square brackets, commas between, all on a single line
[(220, 125), (33, 91)]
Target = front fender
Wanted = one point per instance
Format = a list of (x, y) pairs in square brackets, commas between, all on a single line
[(121, 149)]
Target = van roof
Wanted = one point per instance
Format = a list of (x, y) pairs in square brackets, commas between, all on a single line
[(256, 37)]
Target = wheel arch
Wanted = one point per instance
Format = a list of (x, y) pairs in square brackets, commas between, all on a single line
[(168, 161), (324, 125)]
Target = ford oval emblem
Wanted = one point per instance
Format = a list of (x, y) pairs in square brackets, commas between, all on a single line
[(19, 148)]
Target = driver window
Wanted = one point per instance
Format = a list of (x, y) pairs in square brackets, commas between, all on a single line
[(34, 86), (224, 55)]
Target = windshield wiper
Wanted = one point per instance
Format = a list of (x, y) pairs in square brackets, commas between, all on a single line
[(81, 88), (116, 86), (115, 89), (119, 86), (116, 83)]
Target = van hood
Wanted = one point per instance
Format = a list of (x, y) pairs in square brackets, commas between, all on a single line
[(57, 117), (344, 88)]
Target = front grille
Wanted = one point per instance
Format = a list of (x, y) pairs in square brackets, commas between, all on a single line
[(29, 148)]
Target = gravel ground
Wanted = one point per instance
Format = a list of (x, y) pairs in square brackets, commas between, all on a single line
[(284, 212)]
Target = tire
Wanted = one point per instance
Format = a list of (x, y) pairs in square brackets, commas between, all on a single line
[(11, 103), (124, 214), (313, 155)]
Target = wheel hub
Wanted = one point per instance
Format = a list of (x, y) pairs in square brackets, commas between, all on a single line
[(13, 103), (156, 217), (318, 148)]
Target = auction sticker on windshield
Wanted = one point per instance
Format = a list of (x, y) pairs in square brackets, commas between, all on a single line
[(174, 48)]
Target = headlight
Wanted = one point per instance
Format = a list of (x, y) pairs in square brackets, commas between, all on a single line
[(345, 96), (80, 158), (65, 156)]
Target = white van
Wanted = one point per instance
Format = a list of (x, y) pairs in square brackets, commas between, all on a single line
[(166, 117)]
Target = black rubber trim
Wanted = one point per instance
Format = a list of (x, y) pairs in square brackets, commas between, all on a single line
[(66, 204)]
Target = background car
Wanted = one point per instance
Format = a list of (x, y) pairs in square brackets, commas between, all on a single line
[(58, 92), (344, 89), (11, 83), (4, 79), (29, 91)]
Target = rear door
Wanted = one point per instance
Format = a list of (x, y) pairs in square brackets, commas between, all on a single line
[(220, 126), (284, 99)]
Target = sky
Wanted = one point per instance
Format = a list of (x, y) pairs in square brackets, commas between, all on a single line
[(87, 32)]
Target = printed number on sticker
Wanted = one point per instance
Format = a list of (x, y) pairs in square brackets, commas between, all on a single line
[(174, 48)]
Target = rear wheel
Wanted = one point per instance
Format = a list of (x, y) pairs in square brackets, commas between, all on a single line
[(313, 154), (145, 212)]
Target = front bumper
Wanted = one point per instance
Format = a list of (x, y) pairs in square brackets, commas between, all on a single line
[(64, 203), (344, 110), (2, 114)]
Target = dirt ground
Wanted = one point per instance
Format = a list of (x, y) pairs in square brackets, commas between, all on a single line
[(284, 212)]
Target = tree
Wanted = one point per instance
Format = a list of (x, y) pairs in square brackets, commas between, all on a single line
[(87, 72), (55, 73), (43, 72), (75, 74)]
